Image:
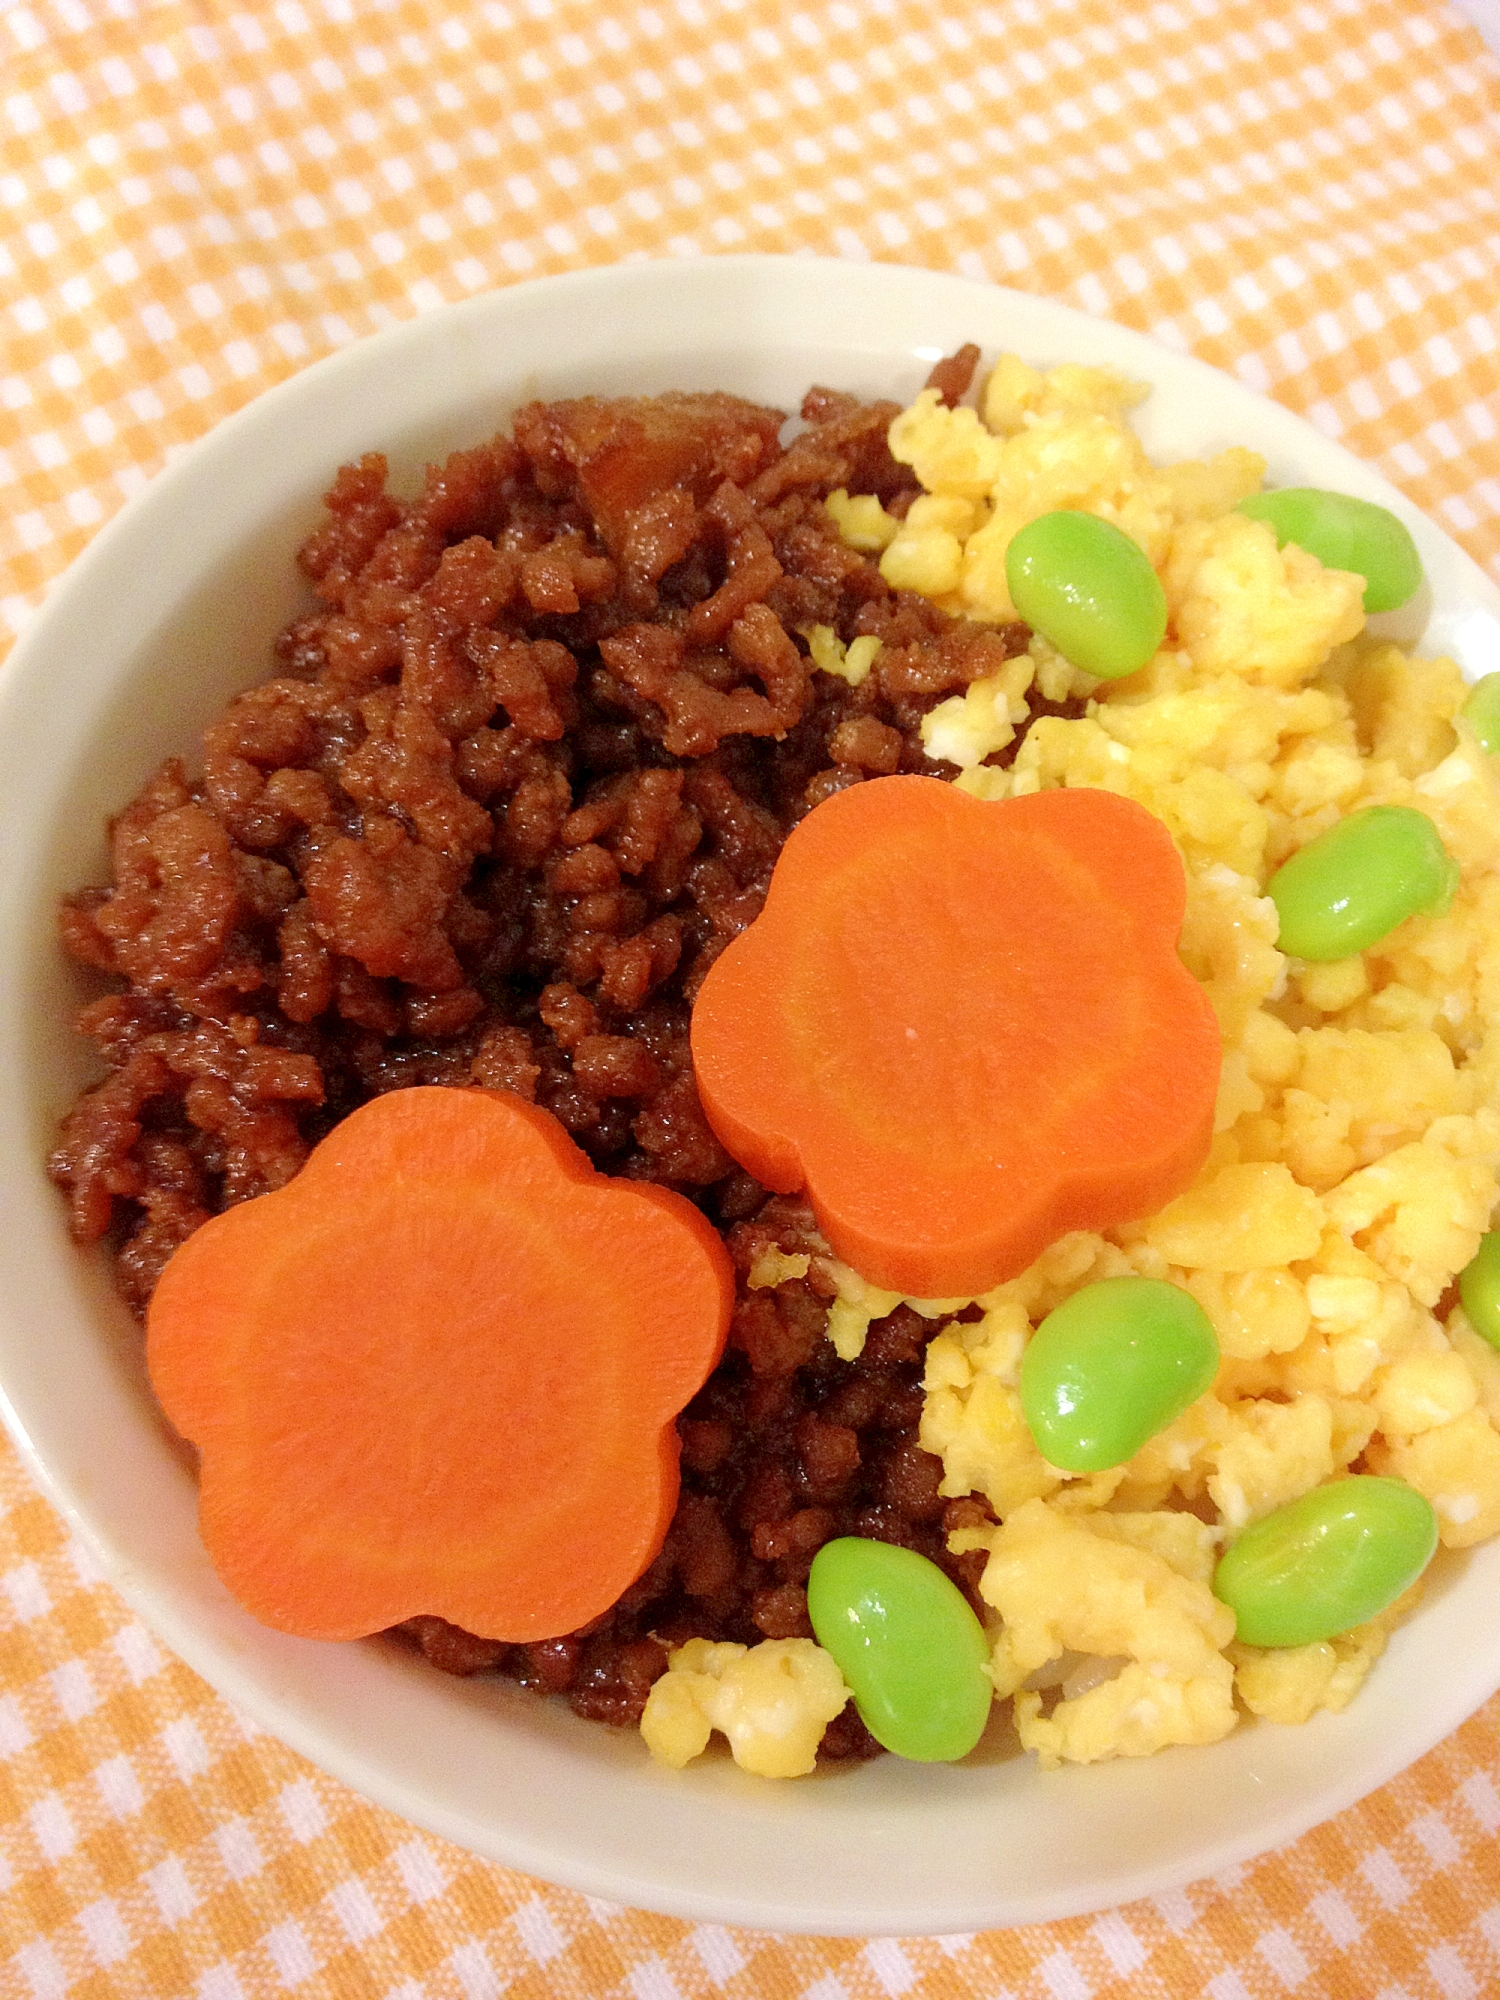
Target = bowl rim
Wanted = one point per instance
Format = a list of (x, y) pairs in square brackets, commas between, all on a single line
[(851, 298)]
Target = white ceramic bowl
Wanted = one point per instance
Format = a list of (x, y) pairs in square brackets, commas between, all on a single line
[(171, 610)]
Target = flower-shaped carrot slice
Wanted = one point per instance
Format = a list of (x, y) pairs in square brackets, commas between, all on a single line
[(963, 1028), (437, 1373)]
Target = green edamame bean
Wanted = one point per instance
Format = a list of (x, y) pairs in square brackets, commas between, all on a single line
[(1088, 588), (1326, 1562), (1111, 1367), (1479, 1288), (1482, 711), (1351, 886), (905, 1640), (1345, 533)]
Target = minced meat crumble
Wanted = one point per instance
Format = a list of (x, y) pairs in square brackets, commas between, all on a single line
[(516, 781)]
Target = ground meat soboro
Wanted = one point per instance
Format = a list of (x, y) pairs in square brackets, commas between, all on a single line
[(515, 782)]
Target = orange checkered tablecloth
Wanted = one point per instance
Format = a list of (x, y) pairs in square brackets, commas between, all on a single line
[(200, 197)]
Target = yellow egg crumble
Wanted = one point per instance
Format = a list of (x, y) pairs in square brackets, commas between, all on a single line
[(1354, 1164)]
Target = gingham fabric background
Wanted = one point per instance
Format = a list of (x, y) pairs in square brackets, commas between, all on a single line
[(200, 198)]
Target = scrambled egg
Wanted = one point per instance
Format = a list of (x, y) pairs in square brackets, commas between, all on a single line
[(1354, 1164), (773, 1701)]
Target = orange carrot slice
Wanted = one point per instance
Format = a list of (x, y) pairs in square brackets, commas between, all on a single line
[(437, 1373), (963, 1028)]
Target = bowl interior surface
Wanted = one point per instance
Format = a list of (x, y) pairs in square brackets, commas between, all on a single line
[(171, 610)]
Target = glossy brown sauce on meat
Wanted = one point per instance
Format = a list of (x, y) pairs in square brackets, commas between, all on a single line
[(515, 782)]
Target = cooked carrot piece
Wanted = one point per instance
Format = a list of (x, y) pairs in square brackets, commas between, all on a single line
[(437, 1373), (963, 1028)]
